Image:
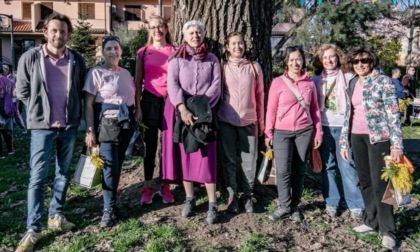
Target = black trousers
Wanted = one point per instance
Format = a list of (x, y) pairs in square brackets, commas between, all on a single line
[(369, 160)]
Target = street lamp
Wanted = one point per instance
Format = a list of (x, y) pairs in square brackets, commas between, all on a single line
[(11, 40)]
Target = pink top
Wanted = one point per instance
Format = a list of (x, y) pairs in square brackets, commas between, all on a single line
[(284, 112), (358, 123), (56, 71), (156, 68), (242, 101)]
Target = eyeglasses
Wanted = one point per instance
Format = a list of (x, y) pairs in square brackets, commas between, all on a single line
[(363, 61), (294, 48), (160, 27)]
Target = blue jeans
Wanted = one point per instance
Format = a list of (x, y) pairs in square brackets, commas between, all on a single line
[(42, 142), (113, 156), (330, 154)]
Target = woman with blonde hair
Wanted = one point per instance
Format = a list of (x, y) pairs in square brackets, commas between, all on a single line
[(151, 77), (331, 84)]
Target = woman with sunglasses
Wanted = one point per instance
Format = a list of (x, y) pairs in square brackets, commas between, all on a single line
[(331, 84), (241, 120), (372, 128), (293, 125), (109, 97), (192, 72), (151, 72)]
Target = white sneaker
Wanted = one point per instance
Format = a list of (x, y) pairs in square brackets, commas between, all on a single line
[(388, 242), (363, 229)]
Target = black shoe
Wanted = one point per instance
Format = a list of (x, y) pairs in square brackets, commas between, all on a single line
[(188, 208), (279, 214), (212, 216), (108, 218), (249, 205), (297, 215), (233, 207)]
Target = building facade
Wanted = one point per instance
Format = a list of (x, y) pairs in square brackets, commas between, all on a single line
[(28, 20)]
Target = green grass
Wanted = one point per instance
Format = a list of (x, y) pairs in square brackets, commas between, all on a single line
[(412, 132), (255, 242), (271, 208), (308, 194)]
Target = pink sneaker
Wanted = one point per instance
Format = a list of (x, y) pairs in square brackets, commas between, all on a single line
[(146, 196), (166, 194)]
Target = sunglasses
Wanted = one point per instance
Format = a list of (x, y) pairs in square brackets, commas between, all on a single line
[(363, 61), (294, 48)]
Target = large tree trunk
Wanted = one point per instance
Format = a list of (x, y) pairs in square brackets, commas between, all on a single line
[(251, 17)]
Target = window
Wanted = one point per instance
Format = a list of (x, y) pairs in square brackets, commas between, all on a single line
[(46, 9), (132, 12), (167, 11), (87, 10), (26, 11)]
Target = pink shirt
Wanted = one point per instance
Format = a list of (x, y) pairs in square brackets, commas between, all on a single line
[(56, 72), (284, 112), (358, 123), (243, 94), (156, 68)]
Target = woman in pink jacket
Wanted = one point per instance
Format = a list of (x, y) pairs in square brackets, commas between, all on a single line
[(293, 123), (241, 120)]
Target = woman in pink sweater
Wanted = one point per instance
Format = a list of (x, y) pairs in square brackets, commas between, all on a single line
[(151, 74), (241, 120), (292, 126)]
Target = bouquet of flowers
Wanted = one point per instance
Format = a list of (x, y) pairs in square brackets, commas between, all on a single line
[(400, 180), (404, 103), (95, 158)]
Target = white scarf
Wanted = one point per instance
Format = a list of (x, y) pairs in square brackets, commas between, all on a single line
[(340, 87)]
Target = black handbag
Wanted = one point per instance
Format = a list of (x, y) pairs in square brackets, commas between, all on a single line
[(137, 146), (109, 131)]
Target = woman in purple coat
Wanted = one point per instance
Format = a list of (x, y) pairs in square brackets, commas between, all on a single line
[(192, 70)]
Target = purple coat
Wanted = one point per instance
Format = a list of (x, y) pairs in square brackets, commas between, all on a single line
[(189, 77)]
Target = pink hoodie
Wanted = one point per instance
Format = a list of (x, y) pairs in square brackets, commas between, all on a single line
[(284, 112)]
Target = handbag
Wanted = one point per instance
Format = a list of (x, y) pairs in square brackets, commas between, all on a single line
[(316, 161), (136, 146), (109, 130), (87, 175), (265, 168)]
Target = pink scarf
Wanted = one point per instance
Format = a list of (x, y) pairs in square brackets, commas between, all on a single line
[(340, 87), (238, 62)]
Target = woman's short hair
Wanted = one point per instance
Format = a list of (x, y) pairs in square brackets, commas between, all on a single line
[(162, 21), (341, 61), (110, 38), (191, 23), (291, 49), (59, 17), (358, 51), (228, 37)]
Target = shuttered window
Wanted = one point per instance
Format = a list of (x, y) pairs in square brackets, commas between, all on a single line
[(167, 11), (26, 11), (87, 10)]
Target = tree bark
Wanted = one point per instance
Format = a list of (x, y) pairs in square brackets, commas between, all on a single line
[(253, 18)]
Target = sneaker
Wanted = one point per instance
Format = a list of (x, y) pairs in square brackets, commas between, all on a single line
[(297, 215), (28, 241), (166, 194), (233, 207), (146, 196), (109, 218), (188, 207), (249, 205), (363, 229), (356, 214), (60, 223), (331, 211), (388, 242), (279, 214), (212, 216)]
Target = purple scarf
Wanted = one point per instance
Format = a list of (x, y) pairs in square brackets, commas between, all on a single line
[(198, 54)]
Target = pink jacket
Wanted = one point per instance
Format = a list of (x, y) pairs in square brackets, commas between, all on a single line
[(284, 112), (242, 101)]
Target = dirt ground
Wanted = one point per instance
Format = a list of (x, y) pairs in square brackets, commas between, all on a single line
[(318, 232)]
